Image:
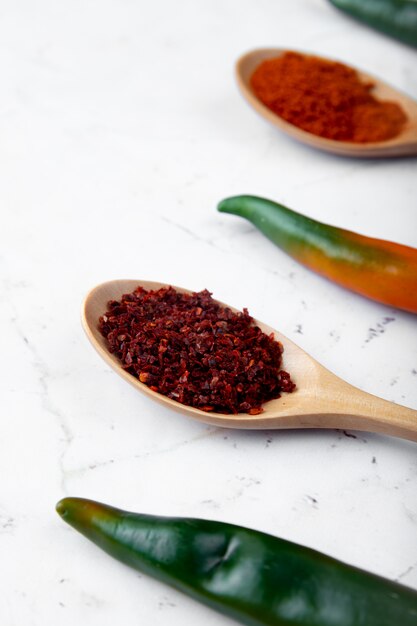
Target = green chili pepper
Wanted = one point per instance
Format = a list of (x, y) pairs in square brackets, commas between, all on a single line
[(255, 578), (397, 18), (382, 270)]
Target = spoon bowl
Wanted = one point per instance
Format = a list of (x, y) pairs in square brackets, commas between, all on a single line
[(404, 144), (321, 399)]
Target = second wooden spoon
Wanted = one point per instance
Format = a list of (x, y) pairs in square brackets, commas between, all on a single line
[(404, 144)]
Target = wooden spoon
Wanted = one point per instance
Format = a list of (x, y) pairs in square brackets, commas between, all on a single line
[(402, 145), (321, 400)]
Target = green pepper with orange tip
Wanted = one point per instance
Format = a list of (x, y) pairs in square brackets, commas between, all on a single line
[(381, 270), (253, 577)]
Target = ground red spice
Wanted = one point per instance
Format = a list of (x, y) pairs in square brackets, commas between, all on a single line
[(325, 98), (195, 351)]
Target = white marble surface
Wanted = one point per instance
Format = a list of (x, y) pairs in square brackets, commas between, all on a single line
[(120, 129)]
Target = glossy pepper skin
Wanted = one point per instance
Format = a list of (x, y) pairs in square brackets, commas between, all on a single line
[(381, 270), (397, 18), (255, 578)]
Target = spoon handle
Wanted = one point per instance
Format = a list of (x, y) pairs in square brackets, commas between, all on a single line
[(357, 410), (388, 418)]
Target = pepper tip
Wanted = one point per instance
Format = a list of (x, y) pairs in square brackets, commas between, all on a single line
[(61, 507), (227, 205), (220, 206)]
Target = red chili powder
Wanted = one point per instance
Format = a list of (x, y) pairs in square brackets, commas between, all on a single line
[(325, 98), (195, 351)]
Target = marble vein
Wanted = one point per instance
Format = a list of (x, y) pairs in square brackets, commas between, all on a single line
[(43, 375)]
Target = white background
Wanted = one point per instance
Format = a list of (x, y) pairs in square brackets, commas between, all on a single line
[(120, 129)]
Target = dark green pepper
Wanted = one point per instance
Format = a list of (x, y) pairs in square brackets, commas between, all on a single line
[(255, 578), (397, 18)]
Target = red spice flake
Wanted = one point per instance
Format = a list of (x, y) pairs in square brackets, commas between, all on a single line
[(195, 351)]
